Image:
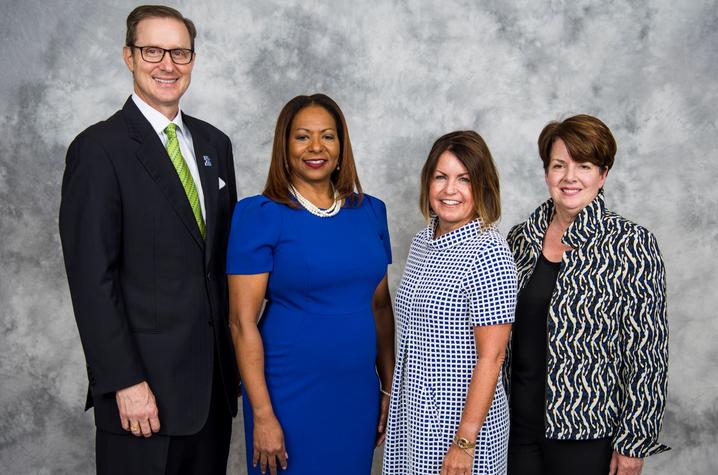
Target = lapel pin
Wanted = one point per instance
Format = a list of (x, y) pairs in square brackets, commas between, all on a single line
[(207, 161)]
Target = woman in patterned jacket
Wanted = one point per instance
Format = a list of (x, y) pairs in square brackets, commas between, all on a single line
[(589, 348), (448, 412)]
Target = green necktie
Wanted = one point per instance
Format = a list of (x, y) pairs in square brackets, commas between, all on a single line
[(185, 176)]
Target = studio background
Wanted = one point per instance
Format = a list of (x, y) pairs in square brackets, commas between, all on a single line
[(404, 72)]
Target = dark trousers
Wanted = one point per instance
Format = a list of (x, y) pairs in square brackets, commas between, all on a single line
[(559, 457), (202, 453)]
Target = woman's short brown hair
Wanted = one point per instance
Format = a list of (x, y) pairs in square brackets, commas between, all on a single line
[(587, 139), (155, 11), (473, 153), (345, 180)]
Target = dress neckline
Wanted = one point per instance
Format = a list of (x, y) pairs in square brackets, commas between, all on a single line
[(546, 261), (452, 238)]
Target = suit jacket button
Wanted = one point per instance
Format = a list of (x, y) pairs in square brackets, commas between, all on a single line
[(209, 276)]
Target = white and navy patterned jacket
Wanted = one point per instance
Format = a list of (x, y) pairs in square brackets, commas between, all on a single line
[(607, 351)]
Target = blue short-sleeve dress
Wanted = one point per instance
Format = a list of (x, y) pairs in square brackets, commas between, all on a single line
[(463, 279), (317, 327)]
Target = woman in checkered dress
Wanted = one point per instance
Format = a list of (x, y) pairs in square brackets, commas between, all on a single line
[(454, 308)]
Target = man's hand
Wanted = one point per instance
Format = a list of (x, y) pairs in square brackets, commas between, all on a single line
[(623, 465), (138, 410)]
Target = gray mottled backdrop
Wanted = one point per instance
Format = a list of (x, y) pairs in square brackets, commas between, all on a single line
[(404, 71)]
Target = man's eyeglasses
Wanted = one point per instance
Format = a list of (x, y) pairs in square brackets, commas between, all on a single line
[(155, 54)]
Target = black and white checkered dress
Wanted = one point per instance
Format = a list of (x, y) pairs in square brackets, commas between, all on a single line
[(462, 279)]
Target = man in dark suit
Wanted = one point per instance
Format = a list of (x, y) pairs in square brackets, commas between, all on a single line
[(147, 198)]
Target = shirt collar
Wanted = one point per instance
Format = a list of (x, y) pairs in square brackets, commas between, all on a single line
[(156, 119)]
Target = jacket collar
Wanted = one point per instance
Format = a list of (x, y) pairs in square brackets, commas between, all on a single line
[(153, 156), (588, 223), (208, 164)]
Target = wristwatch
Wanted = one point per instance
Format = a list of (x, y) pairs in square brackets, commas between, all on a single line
[(463, 443)]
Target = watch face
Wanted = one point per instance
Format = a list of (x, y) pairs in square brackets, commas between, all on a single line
[(463, 443)]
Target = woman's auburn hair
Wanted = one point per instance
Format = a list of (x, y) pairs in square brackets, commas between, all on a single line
[(587, 139), (345, 180), (471, 150)]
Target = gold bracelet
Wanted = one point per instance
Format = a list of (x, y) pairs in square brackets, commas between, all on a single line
[(385, 393)]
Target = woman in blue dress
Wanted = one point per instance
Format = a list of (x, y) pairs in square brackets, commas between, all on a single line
[(455, 304), (317, 249)]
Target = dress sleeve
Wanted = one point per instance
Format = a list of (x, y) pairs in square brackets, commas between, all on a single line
[(254, 234), (644, 341), (490, 285), (379, 210)]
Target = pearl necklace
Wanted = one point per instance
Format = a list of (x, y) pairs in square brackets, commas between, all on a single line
[(316, 211)]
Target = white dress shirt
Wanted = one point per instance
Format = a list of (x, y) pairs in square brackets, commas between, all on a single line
[(159, 123)]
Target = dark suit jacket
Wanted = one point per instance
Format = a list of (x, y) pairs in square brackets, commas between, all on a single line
[(149, 294)]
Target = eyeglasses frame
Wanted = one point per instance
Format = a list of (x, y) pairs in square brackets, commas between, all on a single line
[(164, 52)]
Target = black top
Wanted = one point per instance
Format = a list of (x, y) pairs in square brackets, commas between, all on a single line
[(528, 357)]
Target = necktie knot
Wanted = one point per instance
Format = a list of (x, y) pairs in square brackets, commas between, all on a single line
[(171, 130)]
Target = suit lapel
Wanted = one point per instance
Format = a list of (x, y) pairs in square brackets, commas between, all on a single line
[(207, 163), (153, 157)]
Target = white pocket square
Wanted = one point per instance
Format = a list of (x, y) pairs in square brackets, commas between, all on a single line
[(222, 184)]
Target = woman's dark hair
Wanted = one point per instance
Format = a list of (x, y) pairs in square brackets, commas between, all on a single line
[(345, 180)]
